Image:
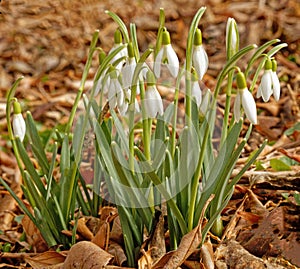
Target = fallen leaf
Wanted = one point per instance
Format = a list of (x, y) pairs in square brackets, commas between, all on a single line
[(187, 246), (86, 255), (118, 252), (33, 235), (101, 238), (157, 244), (46, 259)]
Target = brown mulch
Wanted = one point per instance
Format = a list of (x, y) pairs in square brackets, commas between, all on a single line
[(47, 42)]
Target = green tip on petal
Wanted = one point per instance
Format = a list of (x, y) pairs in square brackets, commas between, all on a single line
[(198, 38), (274, 65), (118, 37), (112, 72), (17, 108), (241, 81), (194, 75), (268, 64), (130, 50), (101, 56), (150, 79), (166, 40)]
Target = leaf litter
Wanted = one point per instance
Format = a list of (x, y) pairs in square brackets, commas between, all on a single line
[(47, 42)]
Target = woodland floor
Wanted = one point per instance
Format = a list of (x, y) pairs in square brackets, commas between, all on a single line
[(47, 42)]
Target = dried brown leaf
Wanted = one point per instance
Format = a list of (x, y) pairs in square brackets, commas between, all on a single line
[(33, 235), (101, 238), (187, 246), (157, 244), (86, 255), (118, 252), (46, 259)]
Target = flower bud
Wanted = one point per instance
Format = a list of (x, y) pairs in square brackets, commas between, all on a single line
[(19, 126)]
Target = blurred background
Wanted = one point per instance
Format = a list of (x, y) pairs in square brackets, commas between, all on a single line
[(47, 42)]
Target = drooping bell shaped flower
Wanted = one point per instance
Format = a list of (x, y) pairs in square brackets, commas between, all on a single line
[(232, 38), (245, 100), (167, 56), (195, 88), (120, 54), (18, 123), (206, 100), (265, 88), (116, 97), (128, 69), (152, 102), (200, 59), (275, 81)]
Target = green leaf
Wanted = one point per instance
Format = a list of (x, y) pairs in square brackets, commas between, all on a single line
[(36, 144), (279, 165)]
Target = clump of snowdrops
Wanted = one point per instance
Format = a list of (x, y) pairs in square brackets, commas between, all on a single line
[(145, 154)]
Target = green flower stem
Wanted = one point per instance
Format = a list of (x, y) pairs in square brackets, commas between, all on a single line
[(160, 31), (9, 102), (227, 107), (188, 64), (257, 54), (176, 96), (197, 175), (135, 82), (83, 80), (121, 24)]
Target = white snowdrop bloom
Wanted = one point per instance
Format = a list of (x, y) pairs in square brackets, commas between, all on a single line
[(269, 82), (275, 81), (200, 59), (120, 54), (205, 102), (116, 97), (245, 100), (18, 123), (195, 89), (152, 102), (166, 55)]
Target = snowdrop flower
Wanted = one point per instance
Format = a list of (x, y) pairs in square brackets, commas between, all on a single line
[(167, 56), (128, 69), (116, 95), (269, 82), (122, 53), (152, 102), (196, 91), (275, 81), (205, 102), (200, 59), (18, 123), (245, 100), (232, 38)]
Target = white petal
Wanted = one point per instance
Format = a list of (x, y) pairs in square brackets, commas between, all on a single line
[(266, 85), (19, 126), (205, 102), (249, 106), (200, 61), (157, 63), (173, 62), (153, 102), (119, 55), (127, 73), (237, 108), (259, 91), (276, 86), (197, 93)]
